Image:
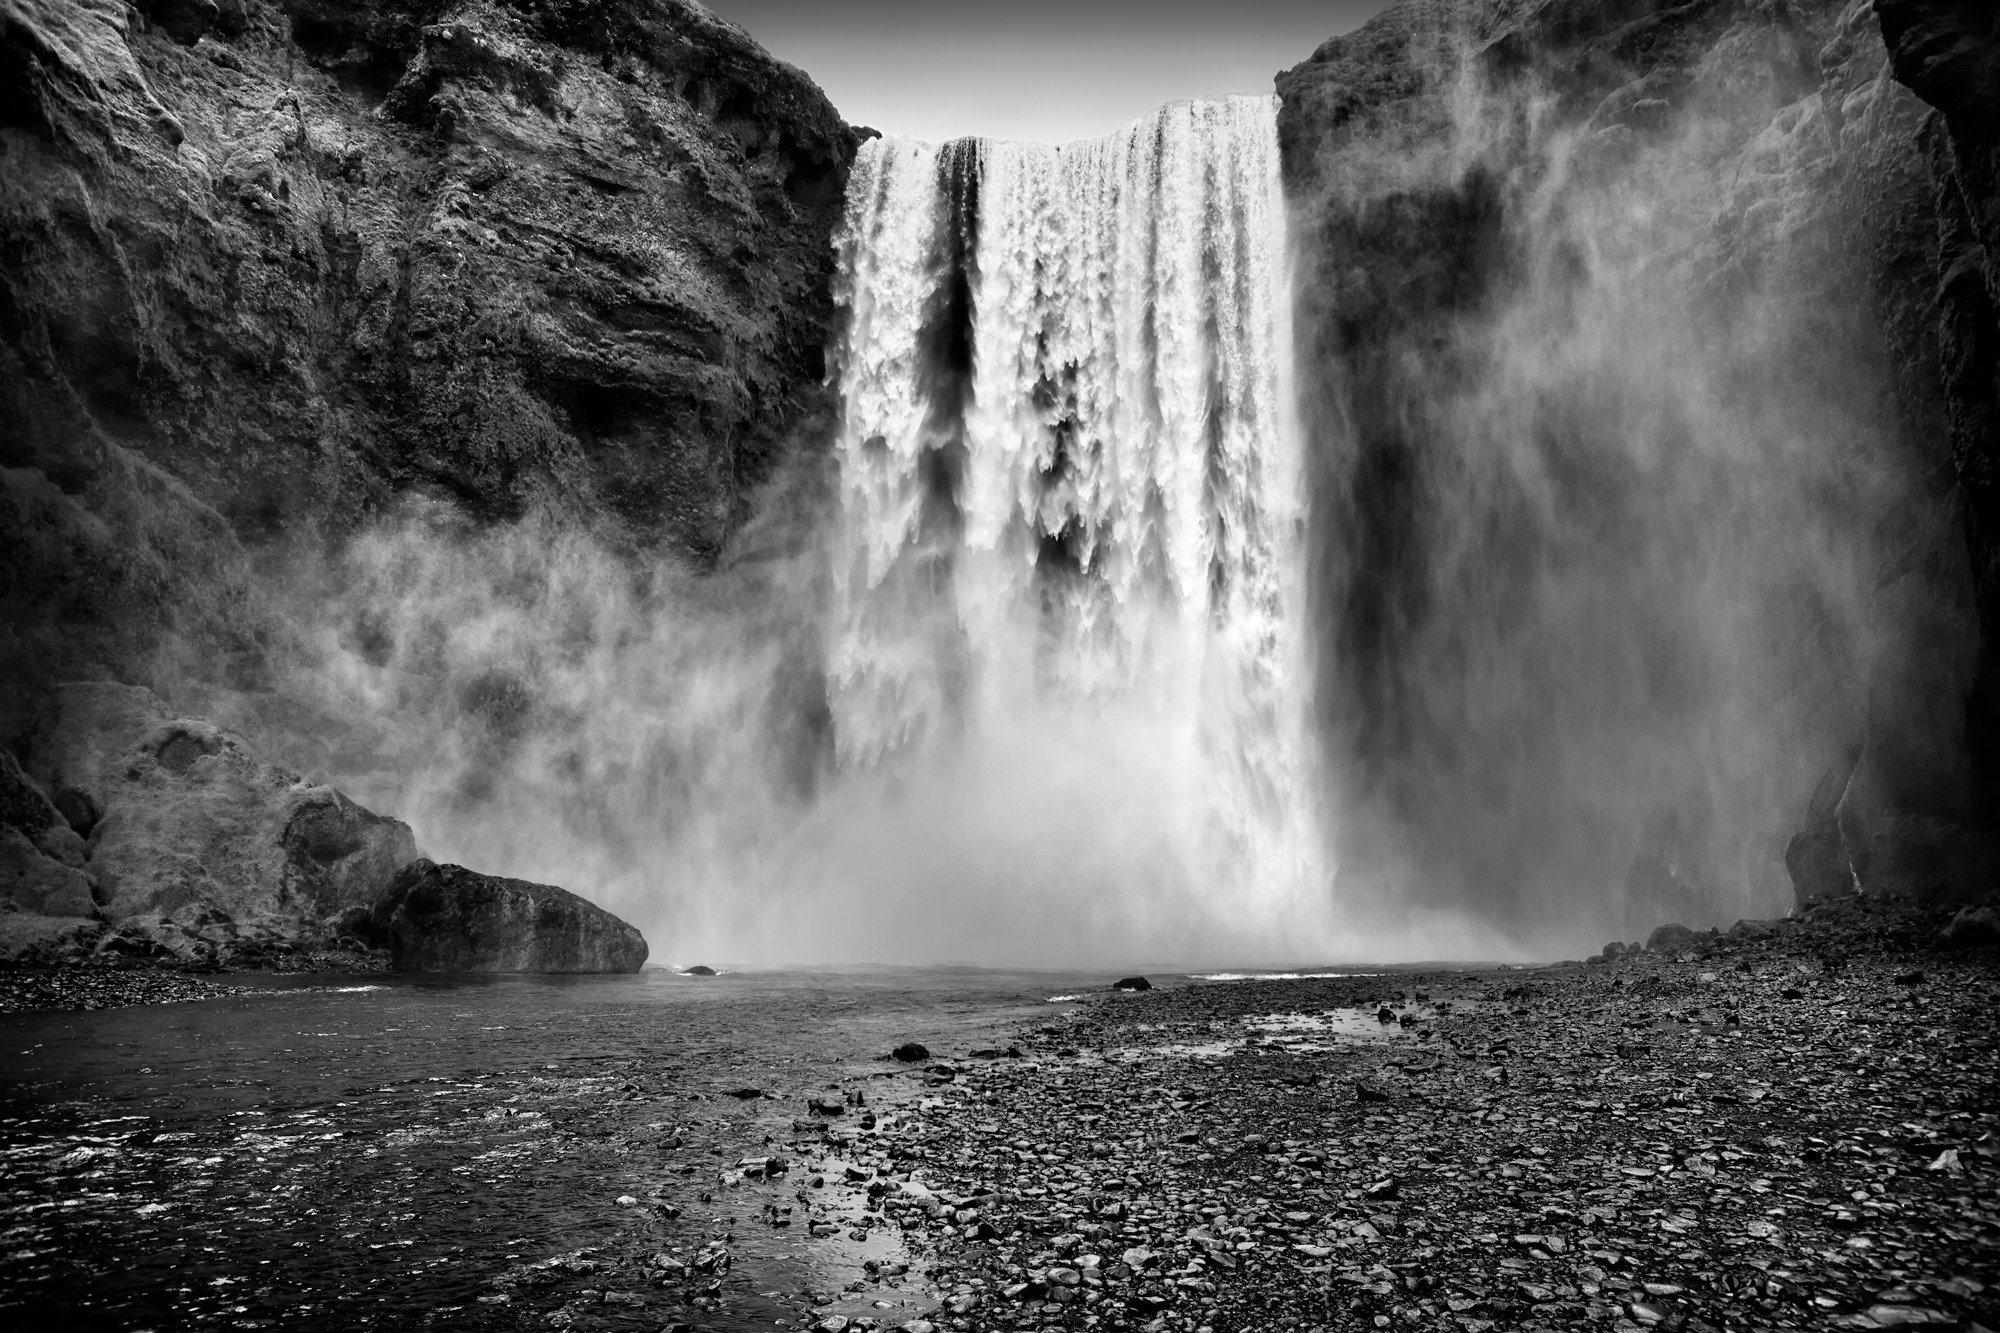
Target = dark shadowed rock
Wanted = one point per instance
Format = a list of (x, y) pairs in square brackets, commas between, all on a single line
[(31, 938), (445, 918), (1816, 860), (912, 1052), (43, 863), (1670, 939), (33, 882), (1132, 983), (699, 970), (183, 20), (23, 805), (1948, 53), (1972, 928)]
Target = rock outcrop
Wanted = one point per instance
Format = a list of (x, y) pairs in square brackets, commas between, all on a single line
[(272, 264), (184, 823), (135, 829), (1627, 403), (445, 918)]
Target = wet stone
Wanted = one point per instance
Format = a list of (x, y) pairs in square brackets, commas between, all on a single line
[(1212, 1146)]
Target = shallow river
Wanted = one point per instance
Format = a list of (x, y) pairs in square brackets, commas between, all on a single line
[(397, 1153)]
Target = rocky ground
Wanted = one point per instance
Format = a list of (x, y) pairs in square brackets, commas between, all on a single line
[(100, 987), (110, 981), (1789, 1127)]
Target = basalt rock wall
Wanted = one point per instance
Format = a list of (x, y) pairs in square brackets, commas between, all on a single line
[(1948, 53), (1648, 372), (267, 266)]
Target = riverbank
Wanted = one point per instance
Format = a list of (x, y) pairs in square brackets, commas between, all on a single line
[(113, 981), (1789, 1127)]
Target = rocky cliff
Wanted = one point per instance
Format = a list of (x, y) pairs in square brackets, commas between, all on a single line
[(1948, 53), (1648, 371), (1648, 364), (267, 266)]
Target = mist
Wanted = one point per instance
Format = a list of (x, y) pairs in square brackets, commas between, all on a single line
[(1622, 539), (539, 704), (1572, 558)]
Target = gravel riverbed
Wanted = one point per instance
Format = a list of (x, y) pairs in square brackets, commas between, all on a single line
[(1785, 1128), (1788, 1126)]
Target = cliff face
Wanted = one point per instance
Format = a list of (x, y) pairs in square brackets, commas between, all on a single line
[(1648, 354), (1642, 454), (1948, 53), (267, 265)]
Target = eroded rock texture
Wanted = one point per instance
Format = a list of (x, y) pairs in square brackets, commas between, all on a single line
[(135, 829), (270, 264), (45, 885), (181, 830), (1641, 544), (446, 918)]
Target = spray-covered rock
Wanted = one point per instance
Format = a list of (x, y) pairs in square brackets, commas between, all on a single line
[(445, 918), (190, 832)]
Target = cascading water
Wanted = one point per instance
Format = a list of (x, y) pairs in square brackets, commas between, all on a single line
[(1069, 485)]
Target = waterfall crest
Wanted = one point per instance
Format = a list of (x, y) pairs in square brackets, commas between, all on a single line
[(1069, 481)]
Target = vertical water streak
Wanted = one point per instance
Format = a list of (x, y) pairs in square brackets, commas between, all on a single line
[(905, 287), (1118, 458)]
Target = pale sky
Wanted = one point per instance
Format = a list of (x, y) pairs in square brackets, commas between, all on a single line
[(1051, 70)]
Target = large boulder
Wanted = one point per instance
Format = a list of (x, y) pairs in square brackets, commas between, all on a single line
[(445, 918), (185, 824)]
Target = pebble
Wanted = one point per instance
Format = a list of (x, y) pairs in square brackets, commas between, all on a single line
[(102, 984), (1514, 1168)]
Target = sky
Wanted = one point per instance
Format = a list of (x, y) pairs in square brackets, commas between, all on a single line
[(1047, 70)]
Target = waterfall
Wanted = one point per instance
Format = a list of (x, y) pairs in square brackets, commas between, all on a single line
[(1069, 481)]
